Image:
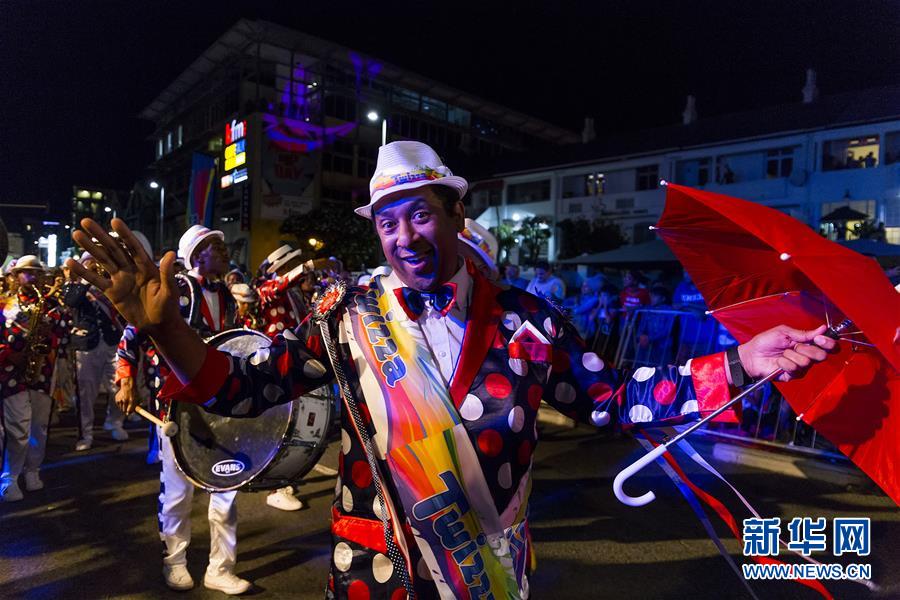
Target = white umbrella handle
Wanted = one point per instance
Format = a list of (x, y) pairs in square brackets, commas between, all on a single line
[(630, 470)]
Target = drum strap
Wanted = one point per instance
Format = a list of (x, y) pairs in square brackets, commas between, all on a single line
[(393, 552)]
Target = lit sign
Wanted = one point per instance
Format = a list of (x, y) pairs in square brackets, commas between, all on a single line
[(234, 131), (235, 153), (237, 176)]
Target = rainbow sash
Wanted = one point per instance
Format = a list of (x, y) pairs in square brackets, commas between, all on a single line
[(430, 457)]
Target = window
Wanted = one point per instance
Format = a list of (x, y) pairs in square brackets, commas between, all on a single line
[(624, 203), (159, 148), (533, 191), (647, 178), (368, 157), (692, 172), (779, 163), (892, 148), (586, 184), (337, 163), (458, 116), (168, 142), (406, 99), (641, 232), (852, 153), (340, 107), (180, 139), (574, 208), (434, 108)]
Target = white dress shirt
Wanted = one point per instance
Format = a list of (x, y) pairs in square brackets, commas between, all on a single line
[(445, 333)]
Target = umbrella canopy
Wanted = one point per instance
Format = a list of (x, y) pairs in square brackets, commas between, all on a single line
[(757, 268), (653, 252)]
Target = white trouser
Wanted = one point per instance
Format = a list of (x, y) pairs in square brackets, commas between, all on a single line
[(96, 367), (175, 496), (25, 418)]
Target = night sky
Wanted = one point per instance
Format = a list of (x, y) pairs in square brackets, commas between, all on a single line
[(74, 75)]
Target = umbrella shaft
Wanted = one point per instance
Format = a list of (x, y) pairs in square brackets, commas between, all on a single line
[(724, 407)]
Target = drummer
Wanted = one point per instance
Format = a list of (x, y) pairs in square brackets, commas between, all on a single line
[(208, 307)]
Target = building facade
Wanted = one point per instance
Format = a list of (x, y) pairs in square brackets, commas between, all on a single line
[(813, 160), (271, 123)]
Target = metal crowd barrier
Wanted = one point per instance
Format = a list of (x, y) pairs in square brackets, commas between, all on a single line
[(656, 338)]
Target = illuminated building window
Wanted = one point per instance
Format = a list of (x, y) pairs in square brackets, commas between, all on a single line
[(180, 138), (159, 148), (168, 142), (647, 178), (851, 153)]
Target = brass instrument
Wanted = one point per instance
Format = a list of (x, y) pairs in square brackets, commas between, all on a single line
[(37, 342)]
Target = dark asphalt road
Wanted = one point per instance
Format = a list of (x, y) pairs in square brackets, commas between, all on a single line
[(91, 533)]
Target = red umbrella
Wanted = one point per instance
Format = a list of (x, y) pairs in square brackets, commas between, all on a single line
[(757, 268)]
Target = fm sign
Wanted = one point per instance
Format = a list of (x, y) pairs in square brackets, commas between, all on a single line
[(235, 131)]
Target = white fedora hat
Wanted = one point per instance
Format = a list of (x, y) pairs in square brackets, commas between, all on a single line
[(244, 293), (29, 261), (192, 238), (281, 257), (475, 241), (408, 165)]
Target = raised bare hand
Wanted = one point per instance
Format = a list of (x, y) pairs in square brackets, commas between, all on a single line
[(146, 296)]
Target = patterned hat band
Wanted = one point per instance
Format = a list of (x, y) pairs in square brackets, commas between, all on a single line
[(386, 181), (477, 240)]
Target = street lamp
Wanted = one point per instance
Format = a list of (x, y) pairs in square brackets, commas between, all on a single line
[(162, 209), (374, 116)]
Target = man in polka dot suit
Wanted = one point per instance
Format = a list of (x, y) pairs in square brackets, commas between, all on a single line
[(479, 357), (27, 404)]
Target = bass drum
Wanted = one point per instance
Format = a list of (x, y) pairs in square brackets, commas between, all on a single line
[(272, 450)]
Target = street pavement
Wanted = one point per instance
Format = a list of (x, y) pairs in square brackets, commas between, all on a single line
[(91, 533)]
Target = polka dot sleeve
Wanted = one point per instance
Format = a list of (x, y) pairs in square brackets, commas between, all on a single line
[(294, 364)]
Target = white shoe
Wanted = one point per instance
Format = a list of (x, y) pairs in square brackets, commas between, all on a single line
[(10, 492), (33, 481), (177, 577), (229, 583), (83, 444), (284, 499), (119, 434)]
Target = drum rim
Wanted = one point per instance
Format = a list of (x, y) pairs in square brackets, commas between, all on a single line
[(288, 429)]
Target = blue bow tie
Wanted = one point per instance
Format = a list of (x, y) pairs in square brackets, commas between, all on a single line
[(413, 301)]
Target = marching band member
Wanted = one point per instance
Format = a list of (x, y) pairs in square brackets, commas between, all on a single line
[(96, 332), (441, 372), (32, 332), (247, 312), (207, 307)]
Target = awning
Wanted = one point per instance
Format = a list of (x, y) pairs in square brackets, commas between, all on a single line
[(654, 252), (844, 213)]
